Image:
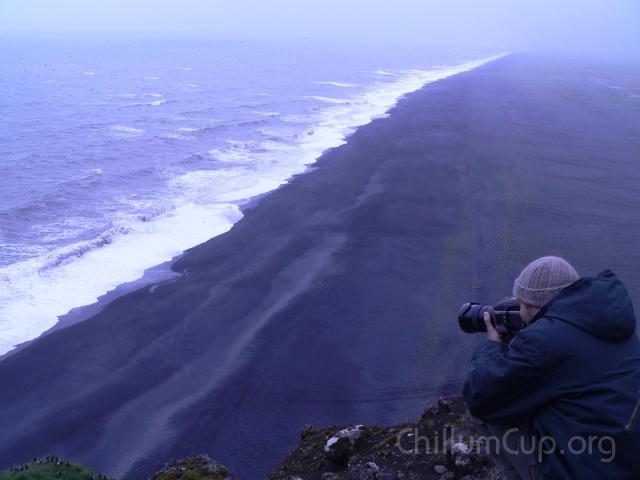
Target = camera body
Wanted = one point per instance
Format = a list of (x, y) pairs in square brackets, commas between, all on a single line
[(505, 317)]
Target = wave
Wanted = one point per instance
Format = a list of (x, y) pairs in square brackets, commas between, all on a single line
[(325, 99), (338, 84), (297, 118), (249, 104), (155, 103), (177, 136), (209, 128), (606, 83), (93, 172), (77, 250), (267, 114), (126, 131)]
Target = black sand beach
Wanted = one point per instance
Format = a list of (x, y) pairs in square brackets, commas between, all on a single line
[(334, 300)]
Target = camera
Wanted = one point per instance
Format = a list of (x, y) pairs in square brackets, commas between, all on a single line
[(505, 317)]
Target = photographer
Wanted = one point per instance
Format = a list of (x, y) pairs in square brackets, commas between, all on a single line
[(559, 393)]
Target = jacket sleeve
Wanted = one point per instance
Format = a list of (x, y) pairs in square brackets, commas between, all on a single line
[(508, 384)]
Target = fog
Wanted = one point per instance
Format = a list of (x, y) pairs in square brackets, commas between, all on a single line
[(599, 27)]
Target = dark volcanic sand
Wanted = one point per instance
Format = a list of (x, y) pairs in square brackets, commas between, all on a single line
[(334, 300)]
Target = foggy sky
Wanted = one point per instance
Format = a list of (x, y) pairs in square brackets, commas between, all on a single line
[(594, 25)]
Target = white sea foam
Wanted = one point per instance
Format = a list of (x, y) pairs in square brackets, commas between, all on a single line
[(68, 228), (606, 83), (46, 292), (93, 172), (225, 185), (326, 99), (155, 103), (266, 114), (338, 84), (126, 131), (201, 204), (230, 155), (177, 136)]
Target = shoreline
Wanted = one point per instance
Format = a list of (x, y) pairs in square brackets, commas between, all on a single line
[(333, 300), (154, 274)]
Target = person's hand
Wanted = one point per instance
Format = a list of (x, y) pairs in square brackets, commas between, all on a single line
[(492, 333)]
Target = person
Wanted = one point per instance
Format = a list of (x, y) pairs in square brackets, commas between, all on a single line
[(560, 392)]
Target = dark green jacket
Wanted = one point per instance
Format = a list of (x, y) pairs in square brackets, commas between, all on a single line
[(573, 372)]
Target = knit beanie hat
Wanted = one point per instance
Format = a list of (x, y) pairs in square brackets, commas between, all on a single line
[(543, 279)]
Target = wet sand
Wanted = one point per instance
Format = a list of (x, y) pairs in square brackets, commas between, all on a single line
[(334, 299)]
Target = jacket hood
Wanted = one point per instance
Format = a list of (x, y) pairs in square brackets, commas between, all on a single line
[(598, 305)]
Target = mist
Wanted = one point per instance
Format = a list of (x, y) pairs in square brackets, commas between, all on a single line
[(602, 28)]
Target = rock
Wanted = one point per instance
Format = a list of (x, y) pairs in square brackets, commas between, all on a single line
[(330, 476), (461, 454), (366, 471), (308, 430), (440, 469), (339, 453), (342, 445), (460, 447), (462, 460), (444, 405), (201, 467)]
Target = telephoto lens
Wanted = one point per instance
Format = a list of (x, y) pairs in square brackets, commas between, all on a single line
[(471, 317), (505, 317)]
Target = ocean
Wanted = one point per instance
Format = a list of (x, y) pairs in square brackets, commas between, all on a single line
[(116, 156)]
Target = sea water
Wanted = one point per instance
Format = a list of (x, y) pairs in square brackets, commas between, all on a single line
[(117, 155)]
